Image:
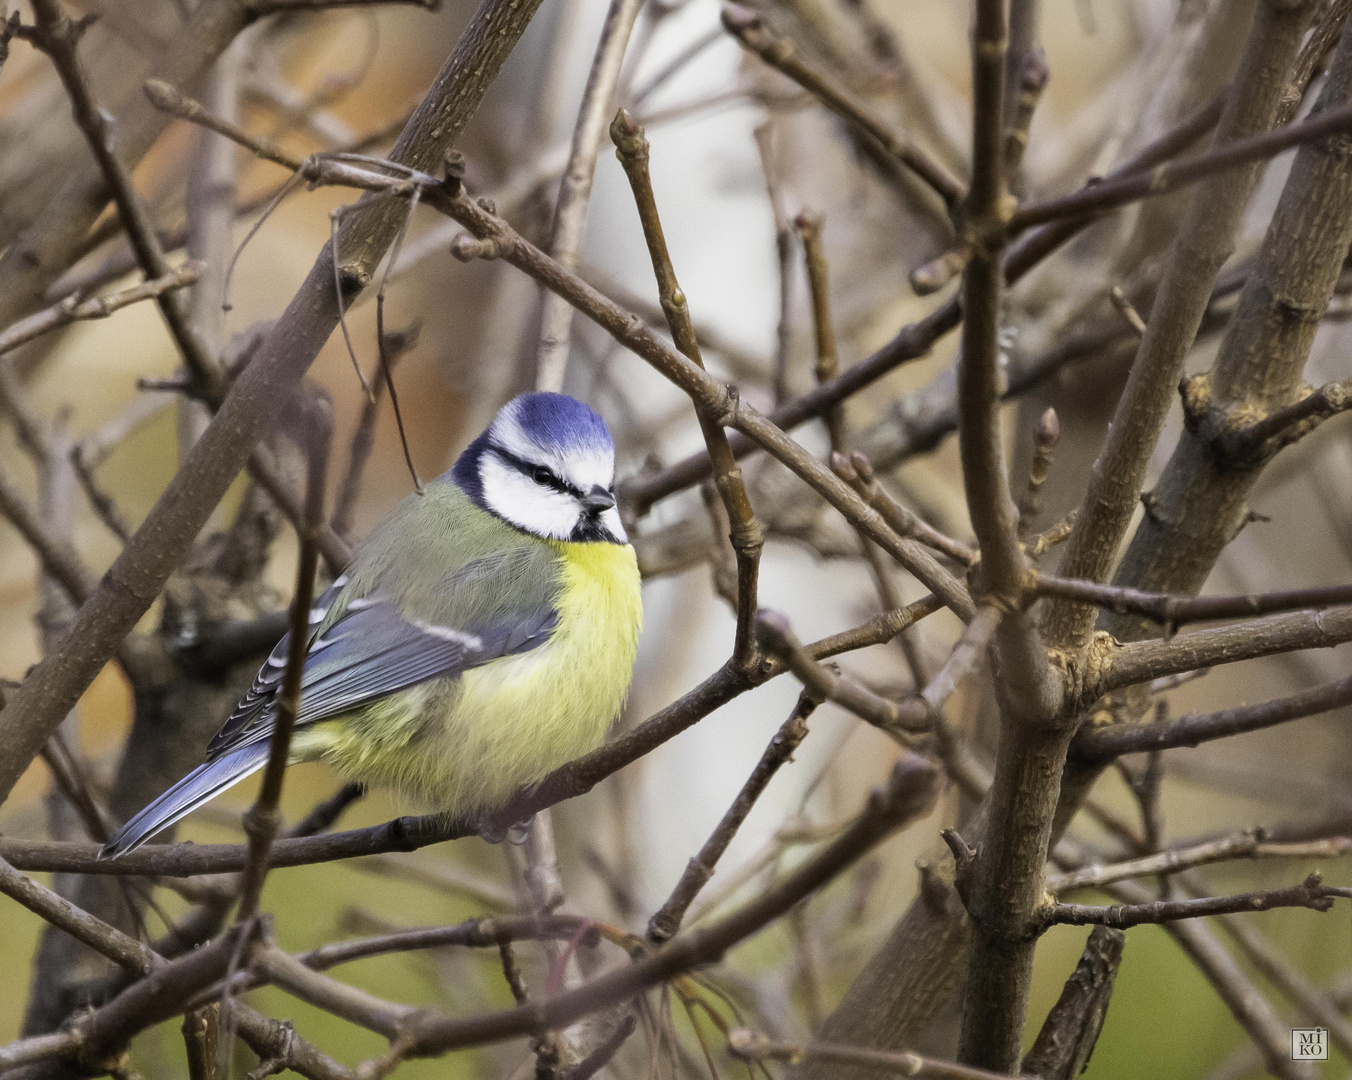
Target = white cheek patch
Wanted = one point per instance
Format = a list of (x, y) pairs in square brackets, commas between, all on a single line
[(526, 504)]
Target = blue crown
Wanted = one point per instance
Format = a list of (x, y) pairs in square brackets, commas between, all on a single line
[(557, 421)]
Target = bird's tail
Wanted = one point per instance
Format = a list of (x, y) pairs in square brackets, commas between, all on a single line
[(201, 785)]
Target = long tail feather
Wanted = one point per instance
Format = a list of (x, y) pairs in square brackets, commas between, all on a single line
[(200, 786)]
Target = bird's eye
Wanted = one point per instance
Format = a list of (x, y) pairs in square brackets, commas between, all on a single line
[(541, 475)]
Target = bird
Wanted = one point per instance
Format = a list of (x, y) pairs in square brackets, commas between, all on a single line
[(482, 635)]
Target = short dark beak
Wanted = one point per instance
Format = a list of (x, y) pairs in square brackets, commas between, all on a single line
[(598, 500)]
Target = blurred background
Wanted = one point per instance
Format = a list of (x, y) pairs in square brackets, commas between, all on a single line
[(1122, 71)]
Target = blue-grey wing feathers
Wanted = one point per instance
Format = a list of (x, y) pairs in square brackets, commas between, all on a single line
[(199, 786), (371, 651)]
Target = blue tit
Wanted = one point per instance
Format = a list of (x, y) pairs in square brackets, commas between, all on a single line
[(483, 634)]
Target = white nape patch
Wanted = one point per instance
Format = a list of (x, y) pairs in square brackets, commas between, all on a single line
[(585, 467), (527, 505), (447, 633)]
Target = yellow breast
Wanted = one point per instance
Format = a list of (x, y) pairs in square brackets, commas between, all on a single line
[(469, 745)]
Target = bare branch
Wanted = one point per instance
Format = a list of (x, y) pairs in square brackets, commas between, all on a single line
[(57, 36), (98, 935), (1105, 743), (710, 397), (1176, 174), (877, 631), (262, 820), (746, 535), (397, 343), (1174, 611), (857, 471), (97, 307), (1067, 1037), (58, 558), (1006, 876), (752, 1046), (402, 834), (1141, 661), (780, 53), (171, 100), (1262, 438), (915, 339), (910, 794), (570, 208), (1045, 437), (765, 146), (777, 638), (47, 246), (700, 869), (1203, 243), (272, 7), (1309, 894), (94, 1035), (1246, 845)]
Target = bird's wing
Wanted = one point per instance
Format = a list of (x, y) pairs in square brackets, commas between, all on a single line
[(374, 647)]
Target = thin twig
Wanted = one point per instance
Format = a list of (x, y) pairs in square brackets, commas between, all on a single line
[(1173, 611), (60, 912), (782, 54), (1246, 845), (700, 869), (857, 471), (1107, 742), (397, 343), (262, 820), (1289, 979), (752, 1046), (746, 534), (59, 37), (1284, 426), (570, 209), (73, 308), (895, 718), (809, 226), (915, 339), (1045, 437), (1173, 175), (1309, 894), (710, 396), (58, 557), (783, 252), (1141, 661), (910, 794)]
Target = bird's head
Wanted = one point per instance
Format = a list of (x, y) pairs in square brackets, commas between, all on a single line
[(546, 464)]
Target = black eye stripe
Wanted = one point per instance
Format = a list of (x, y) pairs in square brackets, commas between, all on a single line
[(529, 469)]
